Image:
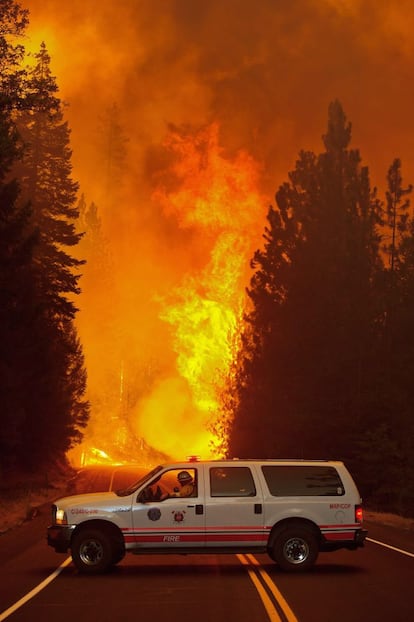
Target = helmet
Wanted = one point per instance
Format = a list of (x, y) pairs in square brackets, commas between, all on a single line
[(184, 477)]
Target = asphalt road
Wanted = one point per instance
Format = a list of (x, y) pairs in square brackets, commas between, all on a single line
[(373, 583)]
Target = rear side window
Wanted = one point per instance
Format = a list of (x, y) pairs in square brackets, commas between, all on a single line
[(231, 482), (303, 481)]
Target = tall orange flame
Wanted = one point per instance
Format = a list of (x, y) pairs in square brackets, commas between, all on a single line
[(169, 352), (214, 198), (218, 198)]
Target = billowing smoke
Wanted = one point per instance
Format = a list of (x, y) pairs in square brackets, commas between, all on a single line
[(261, 71)]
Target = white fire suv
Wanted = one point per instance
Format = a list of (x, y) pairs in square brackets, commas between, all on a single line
[(291, 509)]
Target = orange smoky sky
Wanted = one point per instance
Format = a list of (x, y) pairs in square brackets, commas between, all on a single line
[(246, 84)]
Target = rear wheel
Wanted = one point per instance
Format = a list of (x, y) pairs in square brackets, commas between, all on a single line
[(92, 551), (295, 548)]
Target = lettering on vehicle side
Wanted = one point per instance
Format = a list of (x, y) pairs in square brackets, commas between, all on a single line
[(339, 506), (171, 539), (83, 511)]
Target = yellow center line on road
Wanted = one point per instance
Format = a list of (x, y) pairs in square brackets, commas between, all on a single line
[(290, 616), (269, 606), (7, 612)]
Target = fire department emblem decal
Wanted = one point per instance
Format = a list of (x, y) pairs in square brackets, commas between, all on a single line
[(179, 516), (154, 514)]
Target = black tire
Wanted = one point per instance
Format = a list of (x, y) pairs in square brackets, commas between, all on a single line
[(92, 551), (118, 552), (295, 548)]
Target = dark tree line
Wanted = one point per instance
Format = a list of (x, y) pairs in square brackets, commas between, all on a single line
[(42, 375), (327, 362), (326, 366)]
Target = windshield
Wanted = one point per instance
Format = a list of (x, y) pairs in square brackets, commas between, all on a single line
[(124, 492)]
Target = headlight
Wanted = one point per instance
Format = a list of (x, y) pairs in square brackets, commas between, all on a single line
[(60, 517)]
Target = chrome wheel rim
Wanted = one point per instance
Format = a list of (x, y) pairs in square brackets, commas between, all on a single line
[(296, 550), (91, 552)]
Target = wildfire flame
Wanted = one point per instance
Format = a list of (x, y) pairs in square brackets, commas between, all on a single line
[(217, 197), (155, 371)]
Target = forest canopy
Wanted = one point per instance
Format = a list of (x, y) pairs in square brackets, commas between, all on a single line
[(42, 376), (325, 368)]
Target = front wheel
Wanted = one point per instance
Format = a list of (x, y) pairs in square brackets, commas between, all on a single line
[(92, 551), (295, 548), (118, 552)]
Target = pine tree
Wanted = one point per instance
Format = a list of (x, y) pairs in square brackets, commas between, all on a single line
[(18, 314), (13, 23), (112, 146), (17, 242), (388, 433), (397, 215), (395, 236), (45, 176), (401, 363), (309, 330), (57, 410)]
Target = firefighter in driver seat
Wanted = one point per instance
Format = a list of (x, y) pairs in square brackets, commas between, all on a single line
[(187, 487)]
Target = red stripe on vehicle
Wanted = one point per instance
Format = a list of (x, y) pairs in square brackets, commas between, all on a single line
[(236, 537), (339, 535), (195, 528), (341, 526), (182, 537), (152, 529), (164, 539)]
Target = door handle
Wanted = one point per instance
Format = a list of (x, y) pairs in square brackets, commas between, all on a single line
[(199, 509)]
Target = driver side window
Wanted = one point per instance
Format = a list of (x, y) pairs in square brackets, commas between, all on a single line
[(172, 483)]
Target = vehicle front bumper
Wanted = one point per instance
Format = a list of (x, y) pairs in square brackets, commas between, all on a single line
[(59, 537)]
